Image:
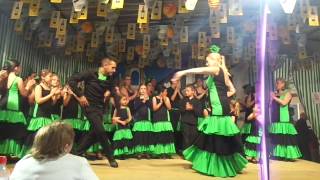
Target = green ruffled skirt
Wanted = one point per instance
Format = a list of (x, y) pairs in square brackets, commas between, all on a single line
[(211, 162), (10, 147), (164, 138), (122, 140), (215, 165), (77, 124), (38, 122), (12, 117), (246, 129)]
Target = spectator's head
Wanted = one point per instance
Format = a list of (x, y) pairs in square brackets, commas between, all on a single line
[(12, 66), (124, 101), (174, 84), (46, 75), (162, 91), (153, 82), (55, 80), (190, 90), (303, 116), (281, 84), (199, 82), (53, 141), (248, 89), (127, 80), (143, 90)]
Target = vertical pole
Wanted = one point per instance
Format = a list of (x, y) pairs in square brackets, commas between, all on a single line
[(262, 87)]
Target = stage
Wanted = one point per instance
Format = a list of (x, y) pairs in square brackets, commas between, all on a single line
[(172, 169)]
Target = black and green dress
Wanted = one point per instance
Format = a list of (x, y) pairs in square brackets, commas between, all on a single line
[(12, 122), (252, 142), (283, 133), (122, 139), (246, 128), (163, 132), (56, 109), (217, 150), (142, 130), (41, 117), (72, 114)]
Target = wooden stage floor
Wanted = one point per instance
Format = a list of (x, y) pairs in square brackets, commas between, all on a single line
[(176, 169)]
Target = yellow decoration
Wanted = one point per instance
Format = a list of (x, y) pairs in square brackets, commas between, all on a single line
[(55, 17), (34, 8), (184, 34), (131, 31), (202, 39), (94, 40), (56, 1), (130, 53), (235, 8), (142, 14), (62, 27), (18, 25), (102, 9), (223, 13), (122, 45), (73, 17), (109, 34), (117, 4), (156, 10), (83, 14), (144, 28), (182, 7), (313, 16), (16, 10), (214, 4)]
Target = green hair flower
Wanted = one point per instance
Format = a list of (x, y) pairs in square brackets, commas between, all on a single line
[(214, 49)]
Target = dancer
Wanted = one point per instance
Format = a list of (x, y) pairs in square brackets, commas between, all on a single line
[(253, 140), (142, 129), (247, 108), (122, 138), (12, 120), (57, 99), (282, 131), (162, 127), (97, 82), (216, 151)]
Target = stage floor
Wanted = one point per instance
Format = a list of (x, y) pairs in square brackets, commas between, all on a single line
[(172, 169)]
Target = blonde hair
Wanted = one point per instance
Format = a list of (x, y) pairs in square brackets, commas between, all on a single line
[(221, 62), (50, 141)]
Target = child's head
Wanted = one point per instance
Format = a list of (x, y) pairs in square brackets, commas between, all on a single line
[(163, 91), (189, 90), (124, 101), (142, 90)]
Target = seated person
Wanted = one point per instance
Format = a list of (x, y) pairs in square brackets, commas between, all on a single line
[(50, 157)]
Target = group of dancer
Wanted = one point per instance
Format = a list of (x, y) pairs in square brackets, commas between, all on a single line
[(119, 122)]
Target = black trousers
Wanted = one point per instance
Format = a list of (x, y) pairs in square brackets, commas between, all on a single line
[(175, 118), (189, 134), (96, 133)]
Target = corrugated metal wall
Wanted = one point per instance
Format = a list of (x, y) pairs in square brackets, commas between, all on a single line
[(13, 45), (308, 81)]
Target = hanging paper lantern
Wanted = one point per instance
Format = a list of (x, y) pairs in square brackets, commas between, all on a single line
[(170, 10), (87, 27), (214, 4), (170, 32), (139, 49)]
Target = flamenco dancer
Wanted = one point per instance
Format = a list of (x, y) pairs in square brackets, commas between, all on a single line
[(97, 82), (217, 150), (282, 131)]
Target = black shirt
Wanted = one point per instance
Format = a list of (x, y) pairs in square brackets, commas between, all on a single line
[(175, 102), (190, 116), (94, 88)]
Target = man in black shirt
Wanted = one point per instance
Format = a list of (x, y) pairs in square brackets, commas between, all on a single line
[(97, 83), (190, 108)]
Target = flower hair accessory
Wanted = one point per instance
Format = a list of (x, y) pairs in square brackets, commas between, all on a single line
[(214, 49)]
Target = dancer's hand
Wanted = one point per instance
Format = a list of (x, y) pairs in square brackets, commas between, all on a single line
[(177, 76), (83, 101)]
